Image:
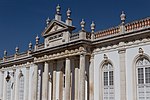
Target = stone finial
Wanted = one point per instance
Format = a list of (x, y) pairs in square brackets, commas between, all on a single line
[(30, 46), (92, 26), (68, 13), (47, 21), (58, 8), (123, 17), (17, 50), (141, 51), (5, 53), (82, 24), (37, 40)]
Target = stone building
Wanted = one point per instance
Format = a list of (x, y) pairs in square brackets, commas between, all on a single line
[(112, 64)]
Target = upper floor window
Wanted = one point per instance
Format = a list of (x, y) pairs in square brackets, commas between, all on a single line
[(143, 79), (8, 90), (108, 81), (21, 87)]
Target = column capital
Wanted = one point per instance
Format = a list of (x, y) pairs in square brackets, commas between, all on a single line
[(123, 50), (82, 54), (27, 66), (68, 58)]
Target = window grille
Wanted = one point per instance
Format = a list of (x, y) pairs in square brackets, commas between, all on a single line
[(21, 87), (143, 79), (108, 85), (8, 90)]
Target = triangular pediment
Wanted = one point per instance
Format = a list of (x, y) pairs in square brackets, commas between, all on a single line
[(55, 27)]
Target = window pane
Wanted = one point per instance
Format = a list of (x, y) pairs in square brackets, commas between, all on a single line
[(140, 76), (111, 78), (8, 90), (21, 88), (147, 75), (105, 78)]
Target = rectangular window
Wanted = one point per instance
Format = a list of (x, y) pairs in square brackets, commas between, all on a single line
[(111, 78), (105, 78), (147, 75), (140, 76)]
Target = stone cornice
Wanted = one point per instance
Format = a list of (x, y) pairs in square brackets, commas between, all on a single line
[(123, 45), (63, 47), (64, 54), (17, 61)]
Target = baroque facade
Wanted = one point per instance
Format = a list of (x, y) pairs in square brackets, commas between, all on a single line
[(113, 64)]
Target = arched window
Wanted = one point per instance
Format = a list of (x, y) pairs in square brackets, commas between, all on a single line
[(8, 93), (21, 86), (108, 81), (143, 78)]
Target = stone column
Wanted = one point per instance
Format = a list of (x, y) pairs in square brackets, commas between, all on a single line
[(61, 85), (76, 80), (35, 83), (1, 84), (122, 74), (4, 87), (91, 78), (67, 79), (45, 82), (82, 77), (54, 80), (26, 93)]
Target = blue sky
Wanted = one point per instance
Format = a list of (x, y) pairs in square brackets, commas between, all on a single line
[(22, 20)]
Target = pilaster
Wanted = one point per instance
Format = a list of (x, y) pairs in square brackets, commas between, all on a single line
[(4, 87), (35, 83), (122, 74), (67, 79), (26, 95), (1, 84), (45, 82), (91, 78), (54, 80), (82, 76)]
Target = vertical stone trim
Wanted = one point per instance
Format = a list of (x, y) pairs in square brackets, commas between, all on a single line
[(54, 80), (72, 89), (13, 87), (82, 77), (45, 82), (35, 83), (76, 80), (67, 79), (61, 85), (16, 86), (122, 74), (91, 78), (50, 82), (26, 93), (1, 84), (4, 88)]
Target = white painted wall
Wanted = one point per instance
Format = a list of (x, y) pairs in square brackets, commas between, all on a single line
[(98, 58)]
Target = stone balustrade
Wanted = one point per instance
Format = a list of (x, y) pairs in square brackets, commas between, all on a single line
[(74, 36), (114, 30), (41, 46), (136, 25)]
